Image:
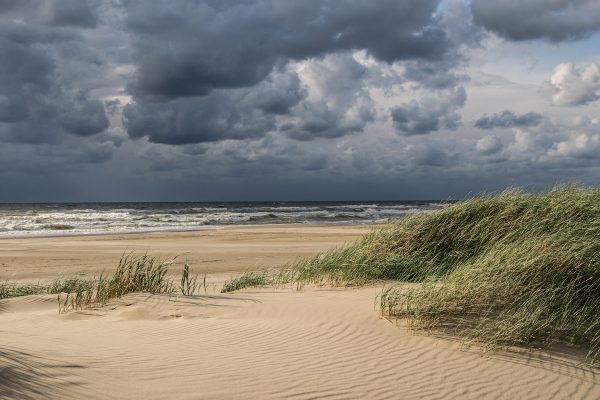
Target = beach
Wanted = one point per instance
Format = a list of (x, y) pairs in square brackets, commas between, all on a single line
[(269, 343), (305, 200), (211, 251)]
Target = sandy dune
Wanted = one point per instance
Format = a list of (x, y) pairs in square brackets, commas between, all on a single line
[(224, 250), (262, 344), (255, 344)]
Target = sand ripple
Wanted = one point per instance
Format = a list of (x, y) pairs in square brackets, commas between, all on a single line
[(317, 344)]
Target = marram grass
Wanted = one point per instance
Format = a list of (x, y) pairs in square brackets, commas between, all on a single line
[(511, 269), (12, 289), (249, 279), (133, 274)]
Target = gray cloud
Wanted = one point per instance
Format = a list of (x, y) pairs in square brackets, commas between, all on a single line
[(318, 119), (429, 114), (221, 115), (225, 53), (112, 106), (489, 145), (256, 90), (434, 75), (508, 119), (278, 99), (68, 13), (84, 117), (555, 20), (446, 73), (38, 102), (278, 93), (329, 101), (430, 155), (74, 13), (338, 103)]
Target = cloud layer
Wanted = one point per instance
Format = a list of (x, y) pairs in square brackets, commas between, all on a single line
[(241, 99)]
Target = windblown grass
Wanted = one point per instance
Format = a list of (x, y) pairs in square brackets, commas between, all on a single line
[(133, 274), (10, 289), (13, 289), (512, 269), (249, 279), (189, 283)]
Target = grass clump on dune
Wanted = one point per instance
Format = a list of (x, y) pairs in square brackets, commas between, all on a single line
[(502, 270), (10, 289), (249, 279), (133, 274), (13, 289)]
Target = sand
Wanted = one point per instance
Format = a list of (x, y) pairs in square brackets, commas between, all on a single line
[(254, 344), (231, 249)]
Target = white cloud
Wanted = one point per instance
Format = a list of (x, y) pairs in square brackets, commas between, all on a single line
[(582, 145), (574, 86)]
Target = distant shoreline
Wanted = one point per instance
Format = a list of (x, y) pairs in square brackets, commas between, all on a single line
[(64, 234), (51, 220)]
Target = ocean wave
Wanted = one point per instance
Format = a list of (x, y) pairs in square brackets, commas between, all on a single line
[(55, 219)]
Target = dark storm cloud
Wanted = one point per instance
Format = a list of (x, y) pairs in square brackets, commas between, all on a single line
[(238, 43), (555, 20), (431, 155), (40, 98), (69, 13), (285, 99), (243, 53), (317, 119), (75, 13), (429, 114), (278, 93), (461, 31), (339, 106), (508, 119), (219, 116), (85, 116)]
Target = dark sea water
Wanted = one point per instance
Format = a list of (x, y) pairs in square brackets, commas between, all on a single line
[(96, 218)]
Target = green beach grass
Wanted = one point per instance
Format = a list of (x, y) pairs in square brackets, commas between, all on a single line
[(133, 274), (511, 269)]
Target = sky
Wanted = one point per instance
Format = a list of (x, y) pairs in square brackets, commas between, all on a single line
[(218, 100)]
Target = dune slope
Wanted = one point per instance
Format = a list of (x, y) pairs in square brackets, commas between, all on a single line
[(320, 343)]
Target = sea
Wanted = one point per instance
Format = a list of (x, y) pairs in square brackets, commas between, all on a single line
[(67, 219)]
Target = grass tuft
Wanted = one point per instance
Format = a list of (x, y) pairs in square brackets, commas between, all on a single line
[(189, 283), (248, 279), (133, 274), (9, 289)]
